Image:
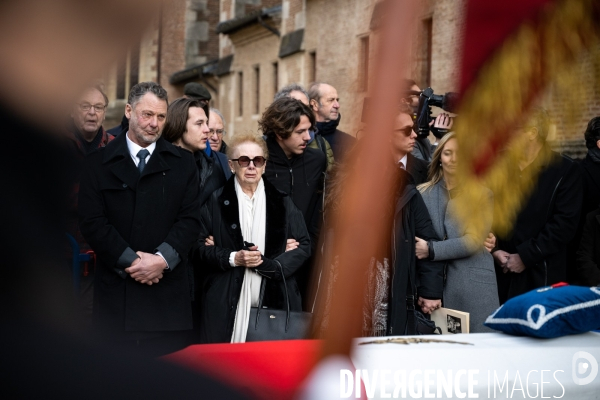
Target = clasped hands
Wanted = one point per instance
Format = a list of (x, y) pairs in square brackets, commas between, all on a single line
[(252, 257), (428, 306), (509, 262), (147, 269)]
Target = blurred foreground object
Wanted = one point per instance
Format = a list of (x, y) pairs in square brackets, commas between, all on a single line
[(512, 51), (50, 52)]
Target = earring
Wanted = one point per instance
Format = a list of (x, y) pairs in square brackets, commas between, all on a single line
[(440, 164)]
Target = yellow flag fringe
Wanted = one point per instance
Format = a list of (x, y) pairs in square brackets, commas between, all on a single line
[(506, 88)]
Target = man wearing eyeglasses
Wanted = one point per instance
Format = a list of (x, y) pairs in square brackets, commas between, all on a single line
[(216, 126), (86, 133), (87, 117)]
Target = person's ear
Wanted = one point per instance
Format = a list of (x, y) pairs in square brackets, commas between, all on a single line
[(314, 104), (128, 110), (598, 144), (532, 134)]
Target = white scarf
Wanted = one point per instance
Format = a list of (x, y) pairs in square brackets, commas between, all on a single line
[(253, 222)]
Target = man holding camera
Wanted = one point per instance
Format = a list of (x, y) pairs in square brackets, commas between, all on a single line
[(441, 125)]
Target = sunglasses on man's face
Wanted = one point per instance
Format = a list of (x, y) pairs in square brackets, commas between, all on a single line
[(244, 161), (406, 131)]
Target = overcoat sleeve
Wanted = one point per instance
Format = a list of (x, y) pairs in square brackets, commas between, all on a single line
[(430, 273), (106, 241), (213, 258), (186, 227), (562, 222), (291, 260), (586, 263), (472, 240)]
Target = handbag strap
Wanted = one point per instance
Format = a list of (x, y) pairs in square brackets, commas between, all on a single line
[(287, 298)]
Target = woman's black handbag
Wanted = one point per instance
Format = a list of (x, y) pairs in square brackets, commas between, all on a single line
[(273, 324)]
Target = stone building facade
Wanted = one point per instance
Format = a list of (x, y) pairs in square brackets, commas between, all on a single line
[(331, 41), (174, 50), (244, 51)]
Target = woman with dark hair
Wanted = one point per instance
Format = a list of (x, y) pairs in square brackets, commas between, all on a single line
[(249, 221), (187, 127), (470, 277)]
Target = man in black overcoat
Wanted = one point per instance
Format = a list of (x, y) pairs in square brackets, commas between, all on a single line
[(590, 174), (415, 283), (534, 254), (139, 209)]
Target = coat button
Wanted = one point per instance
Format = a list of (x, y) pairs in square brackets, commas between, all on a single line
[(226, 202), (231, 308), (237, 280), (233, 226), (124, 185)]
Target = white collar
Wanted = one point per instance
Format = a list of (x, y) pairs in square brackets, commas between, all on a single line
[(403, 160), (134, 148)]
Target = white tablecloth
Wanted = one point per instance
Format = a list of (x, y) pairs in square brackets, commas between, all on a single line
[(493, 365)]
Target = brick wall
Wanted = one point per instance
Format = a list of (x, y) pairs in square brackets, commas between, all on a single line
[(254, 47), (333, 32), (173, 44), (293, 15)]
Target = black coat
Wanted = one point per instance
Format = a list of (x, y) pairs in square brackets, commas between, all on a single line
[(543, 227), (123, 127), (590, 172), (340, 142), (588, 255), (417, 169), (222, 283), (300, 177), (411, 219), (120, 209), (212, 171)]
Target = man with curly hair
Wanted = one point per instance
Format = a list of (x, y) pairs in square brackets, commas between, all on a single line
[(293, 167)]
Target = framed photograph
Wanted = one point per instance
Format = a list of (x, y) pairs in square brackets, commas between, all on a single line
[(451, 321)]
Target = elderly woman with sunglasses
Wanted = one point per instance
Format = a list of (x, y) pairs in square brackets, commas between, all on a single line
[(249, 221)]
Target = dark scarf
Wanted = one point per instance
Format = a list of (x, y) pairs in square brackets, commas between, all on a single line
[(85, 146), (594, 154), (328, 128)]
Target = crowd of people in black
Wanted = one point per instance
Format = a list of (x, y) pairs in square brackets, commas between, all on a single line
[(186, 233)]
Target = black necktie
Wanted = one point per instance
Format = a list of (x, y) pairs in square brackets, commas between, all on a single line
[(142, 154)]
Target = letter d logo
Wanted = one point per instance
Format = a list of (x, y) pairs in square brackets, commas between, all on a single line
[(584, 364)]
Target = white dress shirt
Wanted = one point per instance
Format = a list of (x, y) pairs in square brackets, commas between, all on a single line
[(402, 162), (134, 149)]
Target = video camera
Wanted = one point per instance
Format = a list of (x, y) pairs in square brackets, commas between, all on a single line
[(427, 99)]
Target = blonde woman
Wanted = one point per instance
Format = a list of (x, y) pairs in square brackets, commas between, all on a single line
[(470, 278)]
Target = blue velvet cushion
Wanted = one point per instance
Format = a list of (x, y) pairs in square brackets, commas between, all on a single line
[(549, 312)]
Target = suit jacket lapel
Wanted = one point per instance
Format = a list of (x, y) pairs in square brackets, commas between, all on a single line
[(121, 165), (230, 213), (157, 162)]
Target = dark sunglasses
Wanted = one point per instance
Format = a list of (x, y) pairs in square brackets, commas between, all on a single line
[(406, 131), (244, 161)]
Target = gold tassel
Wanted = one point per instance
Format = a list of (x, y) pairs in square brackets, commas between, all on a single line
[(533, 58)]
